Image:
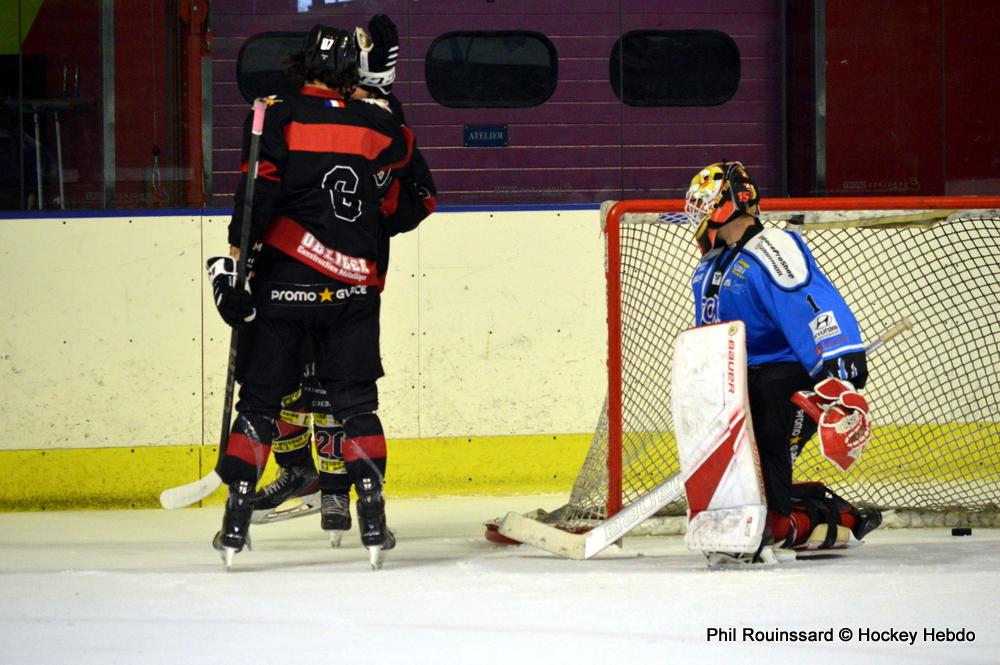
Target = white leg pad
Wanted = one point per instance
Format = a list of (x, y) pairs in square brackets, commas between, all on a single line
[(718, 456)]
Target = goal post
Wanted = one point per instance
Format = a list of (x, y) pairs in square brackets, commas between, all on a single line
[(935, 453)]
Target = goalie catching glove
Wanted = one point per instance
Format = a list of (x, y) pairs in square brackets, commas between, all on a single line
[(845, 425), (235, 306)]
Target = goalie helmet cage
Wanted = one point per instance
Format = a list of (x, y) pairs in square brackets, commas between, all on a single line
[(934, 458)]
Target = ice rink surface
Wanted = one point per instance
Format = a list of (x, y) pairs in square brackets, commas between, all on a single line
[(146, 587)]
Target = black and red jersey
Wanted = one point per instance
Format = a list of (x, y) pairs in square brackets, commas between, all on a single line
[(317, 194)]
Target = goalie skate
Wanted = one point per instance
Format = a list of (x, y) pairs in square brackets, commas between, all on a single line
[(299, 484), (838, 537), (766, 556)]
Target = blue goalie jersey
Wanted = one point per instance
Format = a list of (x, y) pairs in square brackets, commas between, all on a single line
[(791, 311)]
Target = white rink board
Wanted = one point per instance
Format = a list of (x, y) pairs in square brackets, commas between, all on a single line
[(101, 332), (492, 324)]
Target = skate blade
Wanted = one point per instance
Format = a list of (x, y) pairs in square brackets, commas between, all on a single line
[(784, 555), (307, 505), (227, 557), (376, 556), (335, 538), (766, 558)]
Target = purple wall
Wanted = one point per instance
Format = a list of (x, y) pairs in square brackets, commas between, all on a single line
[(582, 145)]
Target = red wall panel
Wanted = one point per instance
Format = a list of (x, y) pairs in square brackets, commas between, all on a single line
[(884, 130), (971, 95)]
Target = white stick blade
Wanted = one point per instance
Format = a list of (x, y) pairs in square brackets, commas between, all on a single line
[(544, 537), (185, 495)]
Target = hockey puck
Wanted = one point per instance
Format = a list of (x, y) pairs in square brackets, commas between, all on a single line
[(961, 531)]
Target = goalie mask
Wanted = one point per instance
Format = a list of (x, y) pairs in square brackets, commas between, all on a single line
[(718, 194)]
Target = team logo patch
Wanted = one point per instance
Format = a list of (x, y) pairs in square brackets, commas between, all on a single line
[(710, 309), (382, 178), (824, 326)]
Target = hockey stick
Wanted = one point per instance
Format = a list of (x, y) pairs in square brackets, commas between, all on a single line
[(585, 545), (185, 495), (892, 331)]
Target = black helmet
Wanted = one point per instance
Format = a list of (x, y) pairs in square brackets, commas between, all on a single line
[(330, 50)]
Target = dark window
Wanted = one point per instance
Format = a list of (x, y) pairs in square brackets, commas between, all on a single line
[(675, 68), (260, 66), (501, 69)]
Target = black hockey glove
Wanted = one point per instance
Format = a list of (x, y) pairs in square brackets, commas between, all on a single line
[(235, 307), (378, 61), (385, 51)]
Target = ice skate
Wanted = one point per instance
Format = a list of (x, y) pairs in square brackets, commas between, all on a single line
[(295, 482), (235, 532), (839, 537), (335, 513), (768, 554), (371, 520)]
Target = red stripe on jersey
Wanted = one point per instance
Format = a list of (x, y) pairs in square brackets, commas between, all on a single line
[(343, 139), (288, 236), (703, 483), (364, 447), (268, 171), (390, 202), (250, 451), (410, 139), (430, 203), (316, 91), (265, 169)]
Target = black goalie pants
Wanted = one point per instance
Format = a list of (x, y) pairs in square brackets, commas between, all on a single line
[(780, 428)]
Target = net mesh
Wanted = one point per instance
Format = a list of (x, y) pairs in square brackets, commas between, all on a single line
[(934, 391)]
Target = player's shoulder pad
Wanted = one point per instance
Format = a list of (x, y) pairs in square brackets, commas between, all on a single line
[(781, 256)]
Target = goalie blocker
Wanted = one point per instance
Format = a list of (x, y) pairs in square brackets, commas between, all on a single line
[(728, 514)]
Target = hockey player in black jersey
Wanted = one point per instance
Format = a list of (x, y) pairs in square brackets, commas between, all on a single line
[(800, 334), (408, 196), (316, 232)]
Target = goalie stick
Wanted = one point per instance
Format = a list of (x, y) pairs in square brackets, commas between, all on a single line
[(185, 495), (585, 545)]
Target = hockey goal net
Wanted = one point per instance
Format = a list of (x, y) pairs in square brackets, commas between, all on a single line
[(935, 389)]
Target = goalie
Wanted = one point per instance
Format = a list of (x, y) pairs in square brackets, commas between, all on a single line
[(802, 342)]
